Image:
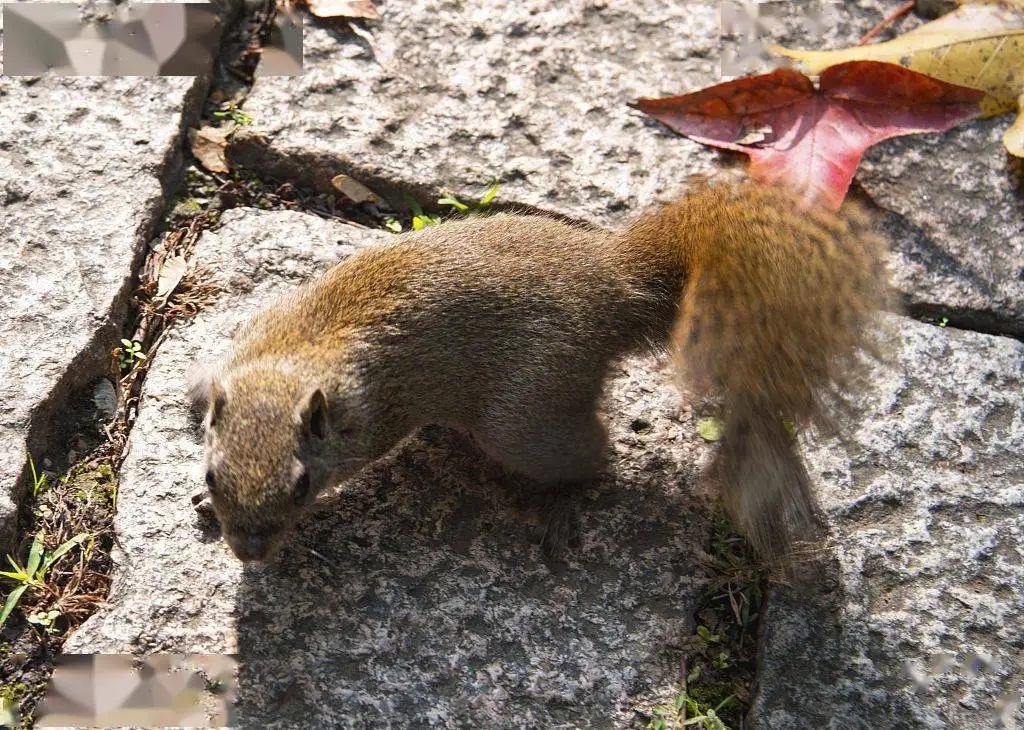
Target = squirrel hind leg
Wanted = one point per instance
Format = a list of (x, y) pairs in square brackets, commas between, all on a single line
[(560, 457), (766, 488), (546, 444)]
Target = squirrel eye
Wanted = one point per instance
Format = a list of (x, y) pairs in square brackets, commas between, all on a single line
[(209, 480), (302, 487)]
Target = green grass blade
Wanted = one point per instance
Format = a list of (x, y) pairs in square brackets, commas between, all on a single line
[(486, 200), (37, 481), (454, 202), (414, 207), (53, 557), (35, 555), (12, 601)]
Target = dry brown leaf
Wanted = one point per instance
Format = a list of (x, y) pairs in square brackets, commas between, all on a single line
[(344, 9), (354, 190), (208, 143), (979, 45)]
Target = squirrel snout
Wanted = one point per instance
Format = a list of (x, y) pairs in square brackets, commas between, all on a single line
[(251, 547)]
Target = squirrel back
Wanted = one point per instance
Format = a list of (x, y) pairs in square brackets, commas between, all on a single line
[(507, 327)]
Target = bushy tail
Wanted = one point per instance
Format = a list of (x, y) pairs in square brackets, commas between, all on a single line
[(776, 306)]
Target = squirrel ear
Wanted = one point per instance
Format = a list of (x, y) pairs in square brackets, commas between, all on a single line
[(203, 389), (218, 397), (313, 413), (198, 389)]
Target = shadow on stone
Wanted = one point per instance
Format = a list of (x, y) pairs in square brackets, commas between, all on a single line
[(808, 640), (437, 606)]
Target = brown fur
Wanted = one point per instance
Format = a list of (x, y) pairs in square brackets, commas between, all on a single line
[(506, 327)]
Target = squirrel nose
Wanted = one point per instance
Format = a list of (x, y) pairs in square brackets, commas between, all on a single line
[(251, 547)]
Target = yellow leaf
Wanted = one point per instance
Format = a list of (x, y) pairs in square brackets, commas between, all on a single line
[(711, 429), (1013, 140), (980, 45)]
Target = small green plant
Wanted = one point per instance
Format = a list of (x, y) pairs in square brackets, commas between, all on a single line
[(705, 633), (10, 699), (46, 620), (790, 425), (231, 111), (687, 711), (475, 209), (93, 485), (130, 354), (713, 429), (33, 574), (721, 656), (943, 322), (421, 220)]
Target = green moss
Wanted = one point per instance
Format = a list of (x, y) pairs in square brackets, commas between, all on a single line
[(97, 484), (186, 207), (18, 702)]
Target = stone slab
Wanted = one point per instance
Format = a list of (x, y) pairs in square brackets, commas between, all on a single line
[(83, 164), (925, 498), (430, 603)]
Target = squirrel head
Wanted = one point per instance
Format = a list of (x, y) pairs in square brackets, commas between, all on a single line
[(273, 443)]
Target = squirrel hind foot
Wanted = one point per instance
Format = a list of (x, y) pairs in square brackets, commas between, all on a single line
[(560, 525)]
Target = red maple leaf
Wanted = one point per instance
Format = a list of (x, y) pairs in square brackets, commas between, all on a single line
[(811, 140)]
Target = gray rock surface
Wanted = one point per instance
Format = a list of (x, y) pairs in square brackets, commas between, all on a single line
[(430, 603), (82, 165), (534, 93), (955, 205), (926, 501), (441, 94)]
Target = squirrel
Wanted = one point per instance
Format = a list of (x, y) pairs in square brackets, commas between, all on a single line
[(506, 327)]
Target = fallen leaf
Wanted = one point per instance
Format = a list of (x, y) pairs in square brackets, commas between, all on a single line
[(354, 190), (344, 9), (208, 143), (811, 140), (1013, 140), (171, 274), (710, 429), (980, 45)]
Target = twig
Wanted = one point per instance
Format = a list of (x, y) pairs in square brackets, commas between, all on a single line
[(888, 20), (323, 558)]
